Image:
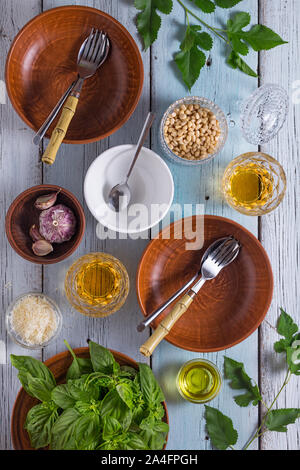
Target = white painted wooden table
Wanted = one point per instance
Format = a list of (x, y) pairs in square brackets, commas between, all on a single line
[(20, 169)]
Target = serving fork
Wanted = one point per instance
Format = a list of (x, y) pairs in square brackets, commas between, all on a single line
[(92, 54), (214, 260)]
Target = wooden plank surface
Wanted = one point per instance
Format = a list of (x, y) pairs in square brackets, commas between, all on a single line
[(202, 185), (162, 86), (280, 229), (19, 170)]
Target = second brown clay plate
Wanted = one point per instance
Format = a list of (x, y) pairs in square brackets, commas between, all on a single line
[(59, 365), (227, 309), (42, 62)]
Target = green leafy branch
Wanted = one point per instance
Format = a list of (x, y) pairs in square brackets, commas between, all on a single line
[(192, 58), (220, 427)]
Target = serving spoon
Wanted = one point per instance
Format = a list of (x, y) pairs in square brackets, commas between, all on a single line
[(120, 195), (213, 261)]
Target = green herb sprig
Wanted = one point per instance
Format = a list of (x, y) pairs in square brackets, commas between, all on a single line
[(102, 405), (192, 55), (220, 427)]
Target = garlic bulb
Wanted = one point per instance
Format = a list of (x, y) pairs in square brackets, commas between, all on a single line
[(57, 224)]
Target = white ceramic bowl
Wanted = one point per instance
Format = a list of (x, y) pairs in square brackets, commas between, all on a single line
[(151, 185)]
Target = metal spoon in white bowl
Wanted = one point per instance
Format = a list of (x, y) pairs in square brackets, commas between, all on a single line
[(119, 196)]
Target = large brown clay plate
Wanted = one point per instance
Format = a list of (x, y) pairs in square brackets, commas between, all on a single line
[(227, 309), (41, 65), (59, 365)]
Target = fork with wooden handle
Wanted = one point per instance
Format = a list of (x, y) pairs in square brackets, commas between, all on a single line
[(216, 260), (94, 53)]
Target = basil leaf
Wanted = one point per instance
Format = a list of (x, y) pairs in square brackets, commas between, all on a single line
[(278, 420), (148, 21), (128, 371), (111, 427), (126, 393), (39, 422), (40, 388), (113, 406), (63, 435), (227, 3), (220, 428), (31, 368), (235, 372), (66, 395), (102, 380), (102, 359), (79, 365), (87, 432), (134, 442), (151, 390), (153, 440)]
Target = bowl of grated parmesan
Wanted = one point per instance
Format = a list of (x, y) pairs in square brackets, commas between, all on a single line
[(33, 320)]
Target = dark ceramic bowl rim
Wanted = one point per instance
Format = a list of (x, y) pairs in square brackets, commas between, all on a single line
[(80, 221), (18, 37)]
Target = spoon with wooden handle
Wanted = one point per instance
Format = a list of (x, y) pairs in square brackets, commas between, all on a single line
[(93, 55), (217, 259)]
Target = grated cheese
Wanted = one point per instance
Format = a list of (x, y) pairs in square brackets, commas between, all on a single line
[(34, 319)]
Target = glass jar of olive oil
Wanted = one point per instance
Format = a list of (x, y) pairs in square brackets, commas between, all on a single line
[(97, 284), (199, 381)]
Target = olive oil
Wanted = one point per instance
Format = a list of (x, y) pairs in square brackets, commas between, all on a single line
[(250, 186), (254, 183), (199, 381), (98, 282)]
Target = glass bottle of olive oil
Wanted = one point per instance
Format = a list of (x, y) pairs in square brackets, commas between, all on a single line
[(199, 381)]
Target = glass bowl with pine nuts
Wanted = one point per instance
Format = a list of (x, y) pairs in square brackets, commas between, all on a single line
[(193, 130)]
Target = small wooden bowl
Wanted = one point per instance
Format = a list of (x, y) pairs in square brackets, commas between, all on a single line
[(41, 64), (228, 308), (22, 214), (59, 365)]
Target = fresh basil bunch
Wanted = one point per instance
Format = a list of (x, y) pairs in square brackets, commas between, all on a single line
[(102, 405)]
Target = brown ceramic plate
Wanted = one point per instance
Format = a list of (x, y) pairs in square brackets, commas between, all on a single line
[(41, 65), (59, 365), (227, 309), (22, 214)]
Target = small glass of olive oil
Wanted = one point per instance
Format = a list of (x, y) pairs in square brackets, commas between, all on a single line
[(97, 284), (254, 183), (199, 381)]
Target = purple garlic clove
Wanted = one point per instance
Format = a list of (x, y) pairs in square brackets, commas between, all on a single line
[(42, 248), (46, 201), (34, 233)]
